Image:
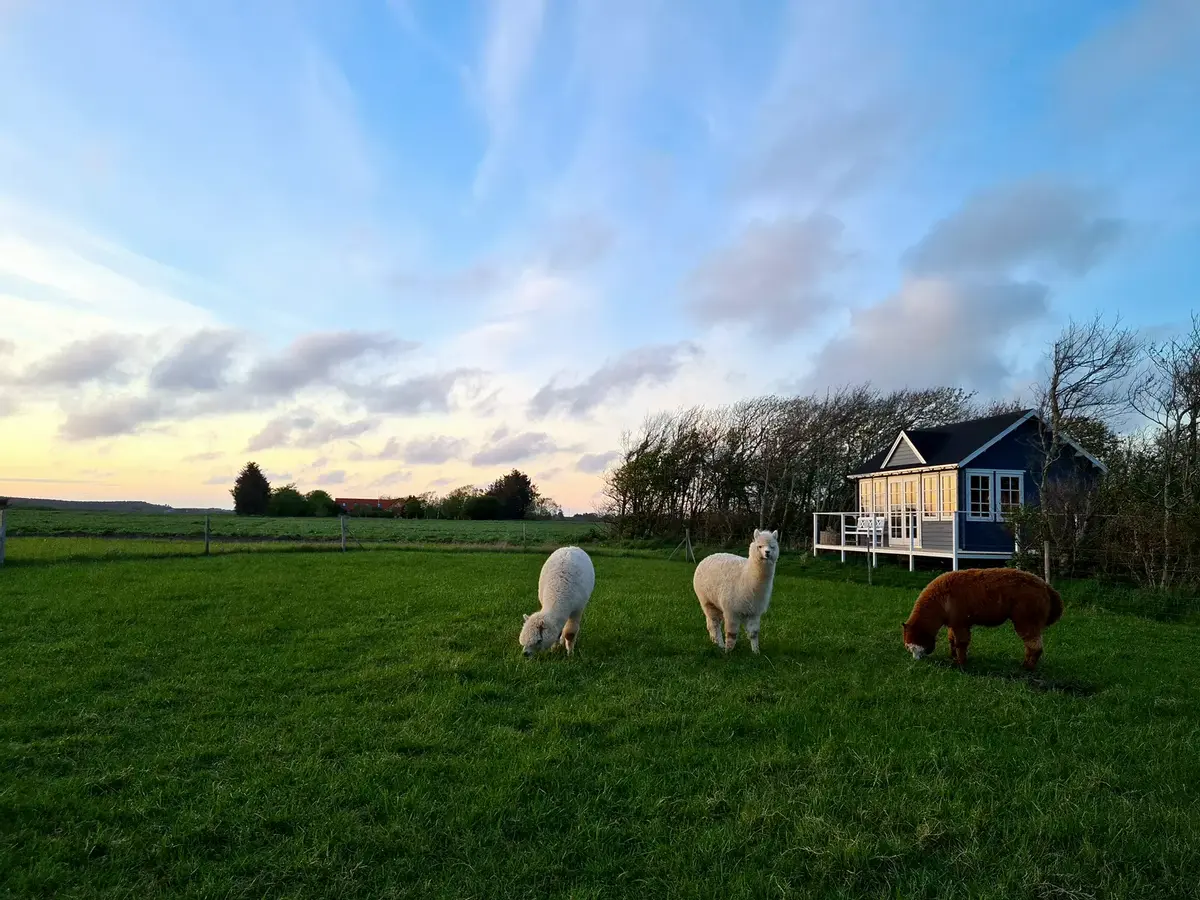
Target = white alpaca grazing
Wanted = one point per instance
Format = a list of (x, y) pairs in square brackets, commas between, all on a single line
[(735, 591), (564, 588)]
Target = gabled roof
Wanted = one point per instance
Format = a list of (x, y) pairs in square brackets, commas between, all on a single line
[(961, 442), (950, 445)]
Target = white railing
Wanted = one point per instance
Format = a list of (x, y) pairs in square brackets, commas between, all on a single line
[(873, 533)]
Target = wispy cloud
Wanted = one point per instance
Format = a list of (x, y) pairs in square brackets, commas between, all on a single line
[(642, 366), (510, 46)]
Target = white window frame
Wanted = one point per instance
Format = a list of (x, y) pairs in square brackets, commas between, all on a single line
[(934, 514), (990, 514), (1008, 473), (947, 514), (993, 476)]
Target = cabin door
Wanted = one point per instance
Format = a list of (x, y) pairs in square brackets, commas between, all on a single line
[(904, 518)]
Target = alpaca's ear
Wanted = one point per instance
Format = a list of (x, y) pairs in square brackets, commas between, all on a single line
[(525, 618), (775, 534), (756, 533)]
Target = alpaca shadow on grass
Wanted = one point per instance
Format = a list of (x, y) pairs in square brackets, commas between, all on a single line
[(1003, 670)]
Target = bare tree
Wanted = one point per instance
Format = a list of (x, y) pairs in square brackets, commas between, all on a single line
[(1087, 378)]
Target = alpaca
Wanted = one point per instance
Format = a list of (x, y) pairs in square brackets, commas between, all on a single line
[(735, 591), (564, 588), (987, 597)]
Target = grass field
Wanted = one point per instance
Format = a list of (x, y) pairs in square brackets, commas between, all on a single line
[(363, 725), (224, 528)]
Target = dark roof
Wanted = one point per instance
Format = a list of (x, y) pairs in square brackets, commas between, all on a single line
[(947, 444)]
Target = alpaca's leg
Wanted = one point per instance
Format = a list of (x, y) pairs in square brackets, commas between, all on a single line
[(731, 630), (570, 632), (960, 639), (1033, 646), (713, 620), (752, 626)]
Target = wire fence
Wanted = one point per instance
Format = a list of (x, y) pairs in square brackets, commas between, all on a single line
[(206, 534)]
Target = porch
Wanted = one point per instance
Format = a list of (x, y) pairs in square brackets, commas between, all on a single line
[(912, 533)]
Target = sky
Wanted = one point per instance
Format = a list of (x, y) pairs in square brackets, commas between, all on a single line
[(388, 246)]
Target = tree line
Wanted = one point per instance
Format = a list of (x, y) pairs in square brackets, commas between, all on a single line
[(511, 496), (774, 461)]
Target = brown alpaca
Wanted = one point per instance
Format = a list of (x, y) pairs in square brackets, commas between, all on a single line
[(986, 597)]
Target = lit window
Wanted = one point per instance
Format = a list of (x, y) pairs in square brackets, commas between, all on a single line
[(980, 491), (949, 494), (864, 496), (880, 495), (1008, 491), (895, 511), (929, 487)]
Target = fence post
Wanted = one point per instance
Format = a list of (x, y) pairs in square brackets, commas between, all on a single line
[(816, 529), (1046, 561), (522, 535), (342, 519), (843, 518), (3, 533), (206, 532)]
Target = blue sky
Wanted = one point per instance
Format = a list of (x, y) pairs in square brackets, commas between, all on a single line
[(399, 244)]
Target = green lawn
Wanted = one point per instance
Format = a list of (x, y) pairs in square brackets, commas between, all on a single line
[(226, 528), (363, 725)]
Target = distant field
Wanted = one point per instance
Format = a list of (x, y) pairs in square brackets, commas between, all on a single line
[(363, 725), (41, 523)]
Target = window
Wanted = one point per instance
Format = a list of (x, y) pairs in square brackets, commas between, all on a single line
[(979, 491), (929, 489), (864, 495), (949, 494), (880, 496), (1008, 491), (895, 513)]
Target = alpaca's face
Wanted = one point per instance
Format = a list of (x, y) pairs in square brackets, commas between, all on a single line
[(765, 546), (535, 636), (917, 643)]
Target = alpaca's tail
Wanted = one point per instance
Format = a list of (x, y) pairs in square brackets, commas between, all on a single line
[(1056, 606)]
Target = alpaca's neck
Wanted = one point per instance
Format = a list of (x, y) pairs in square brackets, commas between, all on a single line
[(554, 619), (930, 611), (758, 573)]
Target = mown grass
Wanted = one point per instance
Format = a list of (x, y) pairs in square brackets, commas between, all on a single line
[(231, 528), (363, 725)]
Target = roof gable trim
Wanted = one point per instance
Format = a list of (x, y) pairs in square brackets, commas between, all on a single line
[(902, 437), (1067, 439)]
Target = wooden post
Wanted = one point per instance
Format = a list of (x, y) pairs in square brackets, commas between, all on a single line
[(342, 519), (522, 535), (3, 533), (687, 536), (206, 532), (843, 518), (816, 529), (1046, 561), (954, 540)]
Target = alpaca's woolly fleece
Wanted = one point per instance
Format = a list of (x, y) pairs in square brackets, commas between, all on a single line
[(564, 588), (735, 591), (985, 597)]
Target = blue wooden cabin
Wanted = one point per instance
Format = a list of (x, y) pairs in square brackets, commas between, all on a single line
[(945, 492)]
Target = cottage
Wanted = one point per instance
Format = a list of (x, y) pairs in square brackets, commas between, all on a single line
[(946, 492)]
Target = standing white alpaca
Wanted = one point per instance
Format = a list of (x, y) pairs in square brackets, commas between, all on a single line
[(735, 591), (564, 588)]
